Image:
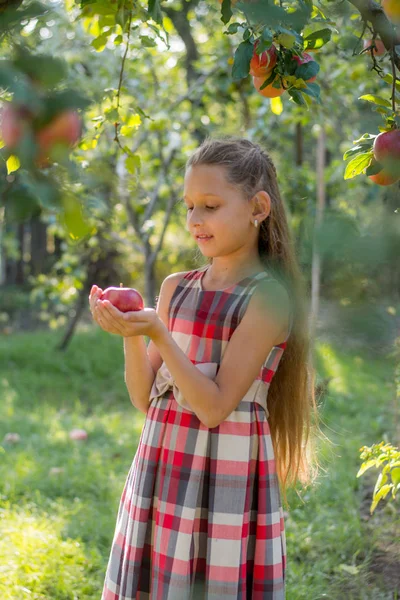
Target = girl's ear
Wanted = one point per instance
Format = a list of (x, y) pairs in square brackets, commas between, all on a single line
[(262, 204)]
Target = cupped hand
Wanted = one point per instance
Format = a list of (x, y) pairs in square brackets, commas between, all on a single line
[(133, 323)]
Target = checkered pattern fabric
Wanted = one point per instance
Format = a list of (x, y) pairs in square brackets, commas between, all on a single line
[(200, 516)]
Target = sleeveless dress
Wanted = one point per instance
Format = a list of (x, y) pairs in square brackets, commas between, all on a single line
[(200, 516)]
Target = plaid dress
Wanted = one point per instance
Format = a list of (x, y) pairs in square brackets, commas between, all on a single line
[(200, 516)]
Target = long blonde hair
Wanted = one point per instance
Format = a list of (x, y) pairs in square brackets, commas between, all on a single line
[(293, 412)]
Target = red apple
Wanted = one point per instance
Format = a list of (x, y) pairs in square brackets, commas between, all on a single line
[(13, 123), (65, 129), (383, 178), (306, 58), (125, 299), (262, 64), (379, 49), (269, 91), (12, 438), (78, 434), (387, 151)]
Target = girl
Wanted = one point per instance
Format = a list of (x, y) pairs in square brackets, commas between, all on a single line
[(226, 430)]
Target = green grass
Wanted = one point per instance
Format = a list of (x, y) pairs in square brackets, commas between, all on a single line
[(58, 498)]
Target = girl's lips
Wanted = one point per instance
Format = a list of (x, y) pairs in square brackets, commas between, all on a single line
[(204, 239)]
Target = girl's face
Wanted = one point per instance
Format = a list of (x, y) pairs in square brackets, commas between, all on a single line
[(218, 209)]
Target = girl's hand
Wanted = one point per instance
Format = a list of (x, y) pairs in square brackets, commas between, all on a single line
[(137, 322)]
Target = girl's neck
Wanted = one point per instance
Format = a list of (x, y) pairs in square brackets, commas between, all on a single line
[(223, 275)]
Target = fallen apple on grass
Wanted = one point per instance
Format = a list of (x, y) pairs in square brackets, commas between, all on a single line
[(125, 299), (78, 434), (12, 438)]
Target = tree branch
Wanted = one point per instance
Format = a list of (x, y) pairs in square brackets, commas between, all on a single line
[(373, 12)]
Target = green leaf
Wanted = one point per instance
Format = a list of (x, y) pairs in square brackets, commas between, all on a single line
[(147, 41), (297, 97), (73, 218), (233, 28), (154, 11), (226, 11), (383, 492), (351, 151), (241, 64), (376, 100), (317, 39), (374, 168), (358, 165), (267, 36), (312, 90), (395, 475), (133, 163), (307, 70), (13, 164), (287, 40), (22, 203), (269, 80), (365, 466), (46, 70), (351, 569), (382, 479), (364, 137), (100, 42)]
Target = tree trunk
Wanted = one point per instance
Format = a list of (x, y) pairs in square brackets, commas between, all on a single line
[(149, 277), (38, 246), (320, 208), (299, 145), (19, 267), (2, 251)]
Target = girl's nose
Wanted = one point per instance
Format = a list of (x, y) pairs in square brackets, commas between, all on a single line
[(195, 217)]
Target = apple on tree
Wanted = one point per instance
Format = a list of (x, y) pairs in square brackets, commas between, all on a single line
[(386, 151), (13, 122), (262, 64), (379, 49), (64, 130), (302, 60), (269, 91), (124, 299), (265, 71)]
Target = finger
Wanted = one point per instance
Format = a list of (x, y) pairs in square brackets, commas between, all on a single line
[(134, 316), (94, 290), (113, 310), (108, 317)]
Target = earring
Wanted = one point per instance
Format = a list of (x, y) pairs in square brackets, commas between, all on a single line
[(255, 223)]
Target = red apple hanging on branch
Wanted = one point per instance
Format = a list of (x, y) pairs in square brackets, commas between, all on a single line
[(382, 177), (379, 47), (386, 153), (262, 64), (63, 131), (263, 68)]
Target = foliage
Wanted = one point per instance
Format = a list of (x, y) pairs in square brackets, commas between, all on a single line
[(384, 456), (387, 458)]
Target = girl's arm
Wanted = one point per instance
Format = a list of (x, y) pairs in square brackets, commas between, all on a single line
[(142, 362), (139, 374)]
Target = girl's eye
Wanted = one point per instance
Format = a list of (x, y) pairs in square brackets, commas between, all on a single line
[(209, 207)]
